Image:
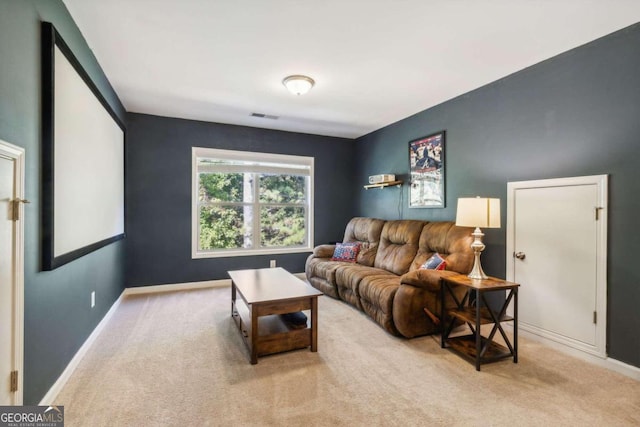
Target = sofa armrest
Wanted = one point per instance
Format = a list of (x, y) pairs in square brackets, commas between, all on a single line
[(324, 251), (426, 279)]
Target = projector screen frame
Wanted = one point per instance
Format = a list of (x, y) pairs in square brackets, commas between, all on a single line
[(50, 40)]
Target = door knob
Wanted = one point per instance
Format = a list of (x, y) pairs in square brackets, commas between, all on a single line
[(520, 255)]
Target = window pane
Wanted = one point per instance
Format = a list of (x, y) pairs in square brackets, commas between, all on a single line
[(225, 187), (225, 227), (251, 203), (282, 226), (282, 188)]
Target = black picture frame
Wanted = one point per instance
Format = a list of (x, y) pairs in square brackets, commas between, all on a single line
[(50, 40), (427, 171)]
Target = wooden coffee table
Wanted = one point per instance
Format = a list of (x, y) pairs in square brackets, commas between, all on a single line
[(265, 293)]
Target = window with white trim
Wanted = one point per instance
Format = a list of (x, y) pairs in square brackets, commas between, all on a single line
[(247, 203)]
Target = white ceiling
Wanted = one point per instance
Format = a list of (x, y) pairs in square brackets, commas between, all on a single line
[(374, 61)]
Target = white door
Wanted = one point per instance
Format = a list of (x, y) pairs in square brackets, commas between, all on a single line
[(11, 168), (557, 252)]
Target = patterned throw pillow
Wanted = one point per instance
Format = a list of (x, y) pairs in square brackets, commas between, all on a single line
[(436, 262), (347, 252)]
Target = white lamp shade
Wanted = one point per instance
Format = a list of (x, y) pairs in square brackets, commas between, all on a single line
[(298, 84), (478, 212)]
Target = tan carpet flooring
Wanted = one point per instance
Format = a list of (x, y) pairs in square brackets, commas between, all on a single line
[(177, 359)]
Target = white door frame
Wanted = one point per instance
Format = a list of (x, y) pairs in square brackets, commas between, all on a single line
[(601, 181), (18, 155)]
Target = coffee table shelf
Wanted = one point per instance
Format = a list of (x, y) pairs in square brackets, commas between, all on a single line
[(274, 334)]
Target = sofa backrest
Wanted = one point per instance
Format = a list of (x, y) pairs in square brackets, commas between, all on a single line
[(398, 245), (453, 243), (367, 232)]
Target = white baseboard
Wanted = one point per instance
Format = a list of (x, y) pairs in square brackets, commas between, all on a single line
[(606, 362), (152, 289), (624, 368), (52, 394)]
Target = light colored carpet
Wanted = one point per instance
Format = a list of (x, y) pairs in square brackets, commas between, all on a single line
[(177, 359)]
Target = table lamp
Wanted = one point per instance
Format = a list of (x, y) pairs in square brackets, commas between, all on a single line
[(478, 212)]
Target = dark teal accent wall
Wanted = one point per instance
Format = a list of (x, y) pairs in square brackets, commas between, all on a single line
[(58, 317), (573, 115), (158, 188)]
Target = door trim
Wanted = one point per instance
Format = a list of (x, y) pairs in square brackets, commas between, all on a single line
[(18, 155), (601, 182)]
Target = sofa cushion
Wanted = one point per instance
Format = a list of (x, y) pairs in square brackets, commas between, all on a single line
[(461, 255), (379, 290), (365, 231), (348, 279), (453, 243), (398, 245), (323, 286), (376, 297), (435, 262), (323, 268), (347, 252)]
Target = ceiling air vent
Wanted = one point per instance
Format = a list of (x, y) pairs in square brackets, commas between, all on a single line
[(264, 116)]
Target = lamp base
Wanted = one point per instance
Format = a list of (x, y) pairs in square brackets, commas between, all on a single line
[(478, 247), (477, 272)]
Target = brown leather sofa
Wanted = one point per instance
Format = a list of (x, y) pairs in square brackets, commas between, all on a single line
[(386, 281)]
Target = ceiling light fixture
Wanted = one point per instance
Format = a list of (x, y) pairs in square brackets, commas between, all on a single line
[(298, 84)]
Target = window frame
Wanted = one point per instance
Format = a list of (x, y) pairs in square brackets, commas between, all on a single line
[(215, 153)]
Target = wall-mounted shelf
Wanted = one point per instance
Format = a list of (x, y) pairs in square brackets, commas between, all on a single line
[(384, 184)]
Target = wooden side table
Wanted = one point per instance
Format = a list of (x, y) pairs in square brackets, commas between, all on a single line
[(475, 346)]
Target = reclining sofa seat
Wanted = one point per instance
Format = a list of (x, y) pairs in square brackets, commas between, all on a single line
[(396, 251), (321, 272), (420, 289), (386, 281)]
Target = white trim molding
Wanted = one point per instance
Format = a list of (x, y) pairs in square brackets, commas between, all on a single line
[(154, 289), (604, 362), (17, 154)]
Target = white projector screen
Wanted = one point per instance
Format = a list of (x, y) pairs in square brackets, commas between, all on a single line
[(83, 159)]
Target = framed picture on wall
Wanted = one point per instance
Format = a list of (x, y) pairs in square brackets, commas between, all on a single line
[(426, 166)]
